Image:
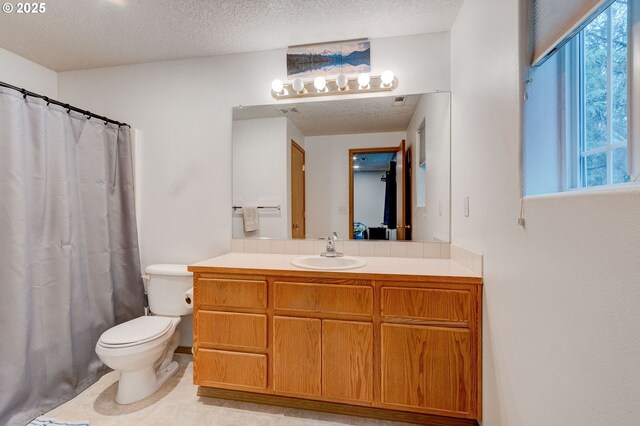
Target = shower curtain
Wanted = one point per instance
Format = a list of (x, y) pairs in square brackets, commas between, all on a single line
[(69, 260)]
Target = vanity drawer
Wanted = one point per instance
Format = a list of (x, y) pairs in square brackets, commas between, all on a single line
[(236, 330), (323, 298), (232, 293), (426, 304), (231, 368)]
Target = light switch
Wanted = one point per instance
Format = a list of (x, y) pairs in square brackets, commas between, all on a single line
[(466, 206), (440, 208), (343, 210)]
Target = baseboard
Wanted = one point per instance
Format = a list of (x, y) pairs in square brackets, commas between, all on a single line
[(184, 350), (335, 408)]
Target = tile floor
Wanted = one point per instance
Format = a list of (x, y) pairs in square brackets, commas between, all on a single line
[(177, 404)]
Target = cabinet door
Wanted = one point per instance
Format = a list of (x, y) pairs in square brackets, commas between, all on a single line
[(347, 360), (427, 368), (296, 356)]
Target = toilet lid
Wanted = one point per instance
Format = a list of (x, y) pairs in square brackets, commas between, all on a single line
[(136, 331)]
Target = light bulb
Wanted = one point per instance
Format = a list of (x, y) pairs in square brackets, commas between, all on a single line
[(320, 83), (277, 85), (298, 85), (342, 82), (387, 78), (363, 80)]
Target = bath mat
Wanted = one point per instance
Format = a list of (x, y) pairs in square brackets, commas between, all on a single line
[(44, 421)]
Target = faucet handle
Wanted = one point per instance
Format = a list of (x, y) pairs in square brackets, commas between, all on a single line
[(335, 236)]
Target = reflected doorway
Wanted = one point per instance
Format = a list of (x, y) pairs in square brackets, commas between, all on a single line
[(377, 188), (297, 191)]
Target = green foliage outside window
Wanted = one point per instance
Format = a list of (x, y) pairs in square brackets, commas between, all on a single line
[(604, 53)]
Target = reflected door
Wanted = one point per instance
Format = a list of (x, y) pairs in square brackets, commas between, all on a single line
[(407, 194), (297, 191), (401, 193)]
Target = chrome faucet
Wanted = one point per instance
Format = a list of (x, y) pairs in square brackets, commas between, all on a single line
[(330, 251)]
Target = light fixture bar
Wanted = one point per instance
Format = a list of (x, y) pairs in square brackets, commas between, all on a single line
[(352, 87)]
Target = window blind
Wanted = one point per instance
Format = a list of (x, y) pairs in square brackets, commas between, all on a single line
[(556, 21)]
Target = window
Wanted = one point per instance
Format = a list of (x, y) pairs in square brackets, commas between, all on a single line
[(602, 78), (576, 114)]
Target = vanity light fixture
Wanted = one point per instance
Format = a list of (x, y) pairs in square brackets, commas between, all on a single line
[(363, 81), (341, 85), (386, 78), (320, 84), (298, 86), (277, 86), (342, 82)]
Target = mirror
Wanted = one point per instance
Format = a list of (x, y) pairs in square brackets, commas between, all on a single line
[(374, 168)]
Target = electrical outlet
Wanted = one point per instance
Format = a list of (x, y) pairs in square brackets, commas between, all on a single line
[(440, 208), (466, 206), (343, 210)]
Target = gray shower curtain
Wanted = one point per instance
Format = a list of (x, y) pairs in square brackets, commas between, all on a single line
[(69, 260)]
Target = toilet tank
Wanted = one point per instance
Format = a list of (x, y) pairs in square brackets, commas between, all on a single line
[(166, 287)]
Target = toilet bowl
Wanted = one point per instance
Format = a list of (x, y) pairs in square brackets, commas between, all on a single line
[(142, 349)]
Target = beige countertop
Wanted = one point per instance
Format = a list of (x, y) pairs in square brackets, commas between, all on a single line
[(375, 265)]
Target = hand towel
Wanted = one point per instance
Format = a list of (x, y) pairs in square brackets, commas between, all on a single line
[(251, 219)]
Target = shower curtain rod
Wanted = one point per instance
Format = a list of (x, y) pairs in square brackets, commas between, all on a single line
[(68, 107)]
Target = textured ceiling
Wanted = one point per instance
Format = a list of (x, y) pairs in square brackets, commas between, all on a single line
[(373, 162), (340, 117), (78, 34)]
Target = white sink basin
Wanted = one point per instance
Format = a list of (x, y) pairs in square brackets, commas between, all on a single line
[(328, 263)]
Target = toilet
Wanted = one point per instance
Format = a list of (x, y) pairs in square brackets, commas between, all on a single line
[(141, 349)]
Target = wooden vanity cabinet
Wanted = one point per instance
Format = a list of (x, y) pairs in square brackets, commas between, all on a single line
[(297, 356), (328, 358), (426, 367), (411, 344), (347, 361)]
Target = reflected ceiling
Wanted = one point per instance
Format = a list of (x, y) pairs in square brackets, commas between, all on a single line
[(340, 117)]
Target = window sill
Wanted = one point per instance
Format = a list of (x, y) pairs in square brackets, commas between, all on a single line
[(618, 188)]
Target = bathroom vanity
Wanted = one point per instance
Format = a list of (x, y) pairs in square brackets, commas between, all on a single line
[(395, 336)]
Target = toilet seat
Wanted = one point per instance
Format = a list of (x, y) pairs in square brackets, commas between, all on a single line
[(136, 332)]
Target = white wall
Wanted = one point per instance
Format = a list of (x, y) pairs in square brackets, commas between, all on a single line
[(561, 340), (328, 178), (21, 72), (368, 198), (260, 175), (432, 222), (183, 111)]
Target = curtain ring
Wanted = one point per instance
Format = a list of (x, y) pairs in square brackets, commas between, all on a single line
[(68, 107), (46, 99), (88, 114), (24, 94)]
